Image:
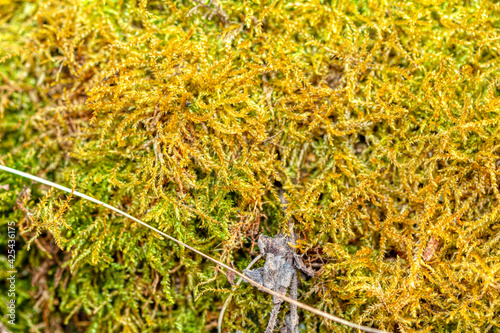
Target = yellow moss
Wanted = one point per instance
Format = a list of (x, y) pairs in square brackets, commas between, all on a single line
[(378, 120)]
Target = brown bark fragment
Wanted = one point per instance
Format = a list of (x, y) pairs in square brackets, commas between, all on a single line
[(430, 249)]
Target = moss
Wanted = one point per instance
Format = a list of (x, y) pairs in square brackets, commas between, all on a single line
[(378, 121)]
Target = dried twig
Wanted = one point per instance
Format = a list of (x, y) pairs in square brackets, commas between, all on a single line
[(271, 138)]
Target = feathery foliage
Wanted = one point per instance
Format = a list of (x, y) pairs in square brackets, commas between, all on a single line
[(378, 120)]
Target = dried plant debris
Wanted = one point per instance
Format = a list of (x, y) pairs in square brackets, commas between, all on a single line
[(432, 246), (279, 274)]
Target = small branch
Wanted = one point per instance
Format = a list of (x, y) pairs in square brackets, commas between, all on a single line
[(266, 141)]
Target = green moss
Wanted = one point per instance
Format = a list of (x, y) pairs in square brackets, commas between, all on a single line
[(378, 121)]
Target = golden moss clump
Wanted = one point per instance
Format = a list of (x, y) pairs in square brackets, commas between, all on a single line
[(377, 121)]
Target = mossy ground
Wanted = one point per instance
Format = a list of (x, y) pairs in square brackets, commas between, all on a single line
[(379, 120)]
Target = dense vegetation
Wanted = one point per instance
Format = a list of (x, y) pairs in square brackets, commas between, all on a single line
[(377, 122)]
